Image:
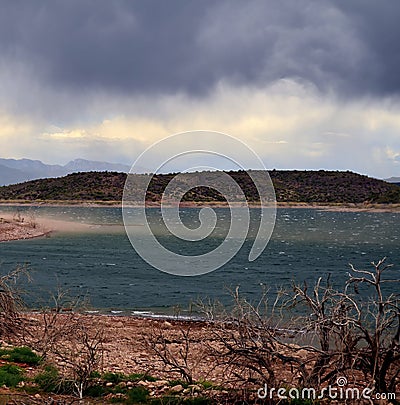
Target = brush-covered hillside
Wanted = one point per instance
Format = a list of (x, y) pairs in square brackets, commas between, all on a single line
[(290, 186)]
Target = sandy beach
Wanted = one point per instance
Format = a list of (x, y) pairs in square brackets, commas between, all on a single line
[(14, 227)]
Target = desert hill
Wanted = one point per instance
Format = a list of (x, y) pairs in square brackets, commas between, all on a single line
[(290, 186)]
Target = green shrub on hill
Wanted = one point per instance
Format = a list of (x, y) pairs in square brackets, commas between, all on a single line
[(290, 186), (10, 375)]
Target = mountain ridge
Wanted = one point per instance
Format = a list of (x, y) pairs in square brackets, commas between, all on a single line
[(393, 179), (290, 186), (20, 170)]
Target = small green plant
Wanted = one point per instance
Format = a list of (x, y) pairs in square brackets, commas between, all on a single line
[(207, 384), (21, 355), (137, 395), (149, 378), (48, 380), (95, 374), (173, 383), (31, 389), (141, 377), (118, 389), (96, 391), (10, 375), (114, 378)]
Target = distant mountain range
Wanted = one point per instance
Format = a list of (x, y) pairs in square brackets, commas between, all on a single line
[(13, 171), (20, 170), (395, 180)]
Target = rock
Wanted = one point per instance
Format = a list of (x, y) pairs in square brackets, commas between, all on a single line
[(160, 383), (196, 388), (177, 389), (144, 383), (109, 384), (34, 321)]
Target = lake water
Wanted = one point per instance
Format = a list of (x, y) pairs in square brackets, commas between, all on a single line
[(101, 264)]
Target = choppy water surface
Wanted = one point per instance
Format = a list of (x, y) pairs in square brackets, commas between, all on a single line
[(100, 262)]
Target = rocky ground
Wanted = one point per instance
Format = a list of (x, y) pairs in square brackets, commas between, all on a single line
[(126, 352), (130, 361), (126, 343), (14, 229)]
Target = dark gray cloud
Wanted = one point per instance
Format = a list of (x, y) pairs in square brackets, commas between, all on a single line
[(377, 24), (140, 47)]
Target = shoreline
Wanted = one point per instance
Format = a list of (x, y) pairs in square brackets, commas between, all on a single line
[(12, 230), (18, 228), (338, 207)]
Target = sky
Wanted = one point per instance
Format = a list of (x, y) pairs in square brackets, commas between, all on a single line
[(307, 84)]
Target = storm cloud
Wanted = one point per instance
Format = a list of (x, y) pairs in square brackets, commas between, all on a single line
[(308, 84), (350, 47)]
